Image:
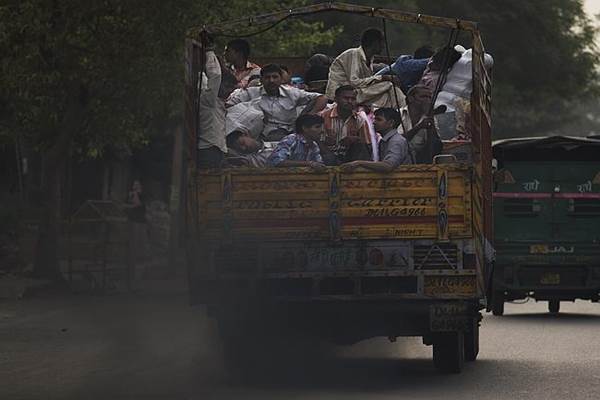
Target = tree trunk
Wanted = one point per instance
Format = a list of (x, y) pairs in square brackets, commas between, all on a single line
[(46, 263), (175, 199)]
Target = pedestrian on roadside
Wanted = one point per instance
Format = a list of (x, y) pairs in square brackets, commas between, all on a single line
[(138, 231)]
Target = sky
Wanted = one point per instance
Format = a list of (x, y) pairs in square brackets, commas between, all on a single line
[(592, 7)]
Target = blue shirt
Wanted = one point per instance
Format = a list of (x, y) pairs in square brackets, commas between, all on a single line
[(294, 147), (408, 69)]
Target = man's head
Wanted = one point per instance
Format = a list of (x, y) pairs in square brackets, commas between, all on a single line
[(286, 77), (317, 68), (372, 41), (237, 51), (345, 97), (423, 52), (418, 100), (242, 142), (438, 58), (271, 79), (386, 119), (310, 126)]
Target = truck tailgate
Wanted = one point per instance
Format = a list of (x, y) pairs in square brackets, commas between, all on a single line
[(414, 202)]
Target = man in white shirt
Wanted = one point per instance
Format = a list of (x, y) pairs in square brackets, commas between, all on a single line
[(216, 84), (278, 102), (354, 67)]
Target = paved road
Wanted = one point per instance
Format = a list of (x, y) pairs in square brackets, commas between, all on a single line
[(153, 346)]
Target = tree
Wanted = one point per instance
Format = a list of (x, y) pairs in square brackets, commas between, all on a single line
[(78, 78), (544, 53)]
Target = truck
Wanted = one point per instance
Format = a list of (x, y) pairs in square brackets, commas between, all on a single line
[(547, 216), (346, 256)]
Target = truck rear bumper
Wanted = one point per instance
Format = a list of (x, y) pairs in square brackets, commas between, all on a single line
[(410, 285), (345, 322), (547, 282)]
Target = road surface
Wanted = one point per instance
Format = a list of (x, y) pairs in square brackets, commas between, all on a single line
[(152, 345)]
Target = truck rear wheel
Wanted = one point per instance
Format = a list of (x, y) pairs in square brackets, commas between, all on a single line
[(238, 356), (472, 341), (498, 303), (554, 306), (449, 352), (244, 346)]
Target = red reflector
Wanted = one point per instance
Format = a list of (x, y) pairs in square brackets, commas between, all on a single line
[(376, 257)]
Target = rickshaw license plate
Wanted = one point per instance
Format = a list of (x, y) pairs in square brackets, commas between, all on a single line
[(538, 249), (550, 278)]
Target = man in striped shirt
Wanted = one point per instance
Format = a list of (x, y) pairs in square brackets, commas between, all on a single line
[(345, 133)]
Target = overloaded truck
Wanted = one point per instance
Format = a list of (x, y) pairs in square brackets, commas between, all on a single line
[(346, 255), (547, 220)]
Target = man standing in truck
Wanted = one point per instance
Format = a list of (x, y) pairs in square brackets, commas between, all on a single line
[(236, 54), (216, 84)]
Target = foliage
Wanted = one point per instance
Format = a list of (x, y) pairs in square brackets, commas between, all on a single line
[(544, 53), (102, 75), (124, 59)]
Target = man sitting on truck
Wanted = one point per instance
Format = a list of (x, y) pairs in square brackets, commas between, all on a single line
[(346, 134), (244, 150), (278, 102), (300, 149), (409, 69), (419, 128), (236, 54), (393, 147), (354, 67)]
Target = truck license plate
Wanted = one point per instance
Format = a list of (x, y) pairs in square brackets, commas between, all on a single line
[(448, 317), (550, 278), (449, 285)]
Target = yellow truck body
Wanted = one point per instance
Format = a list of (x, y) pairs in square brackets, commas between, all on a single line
[(348, 255), (279, 220)]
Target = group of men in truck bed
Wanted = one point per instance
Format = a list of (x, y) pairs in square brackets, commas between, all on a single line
[(252, 115)]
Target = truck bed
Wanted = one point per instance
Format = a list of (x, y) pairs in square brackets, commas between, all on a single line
[(258, 205)]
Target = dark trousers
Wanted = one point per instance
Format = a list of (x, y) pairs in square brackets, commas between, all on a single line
[(210, 158)]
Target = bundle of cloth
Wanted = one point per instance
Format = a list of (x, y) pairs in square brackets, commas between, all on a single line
[(456, 96)]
